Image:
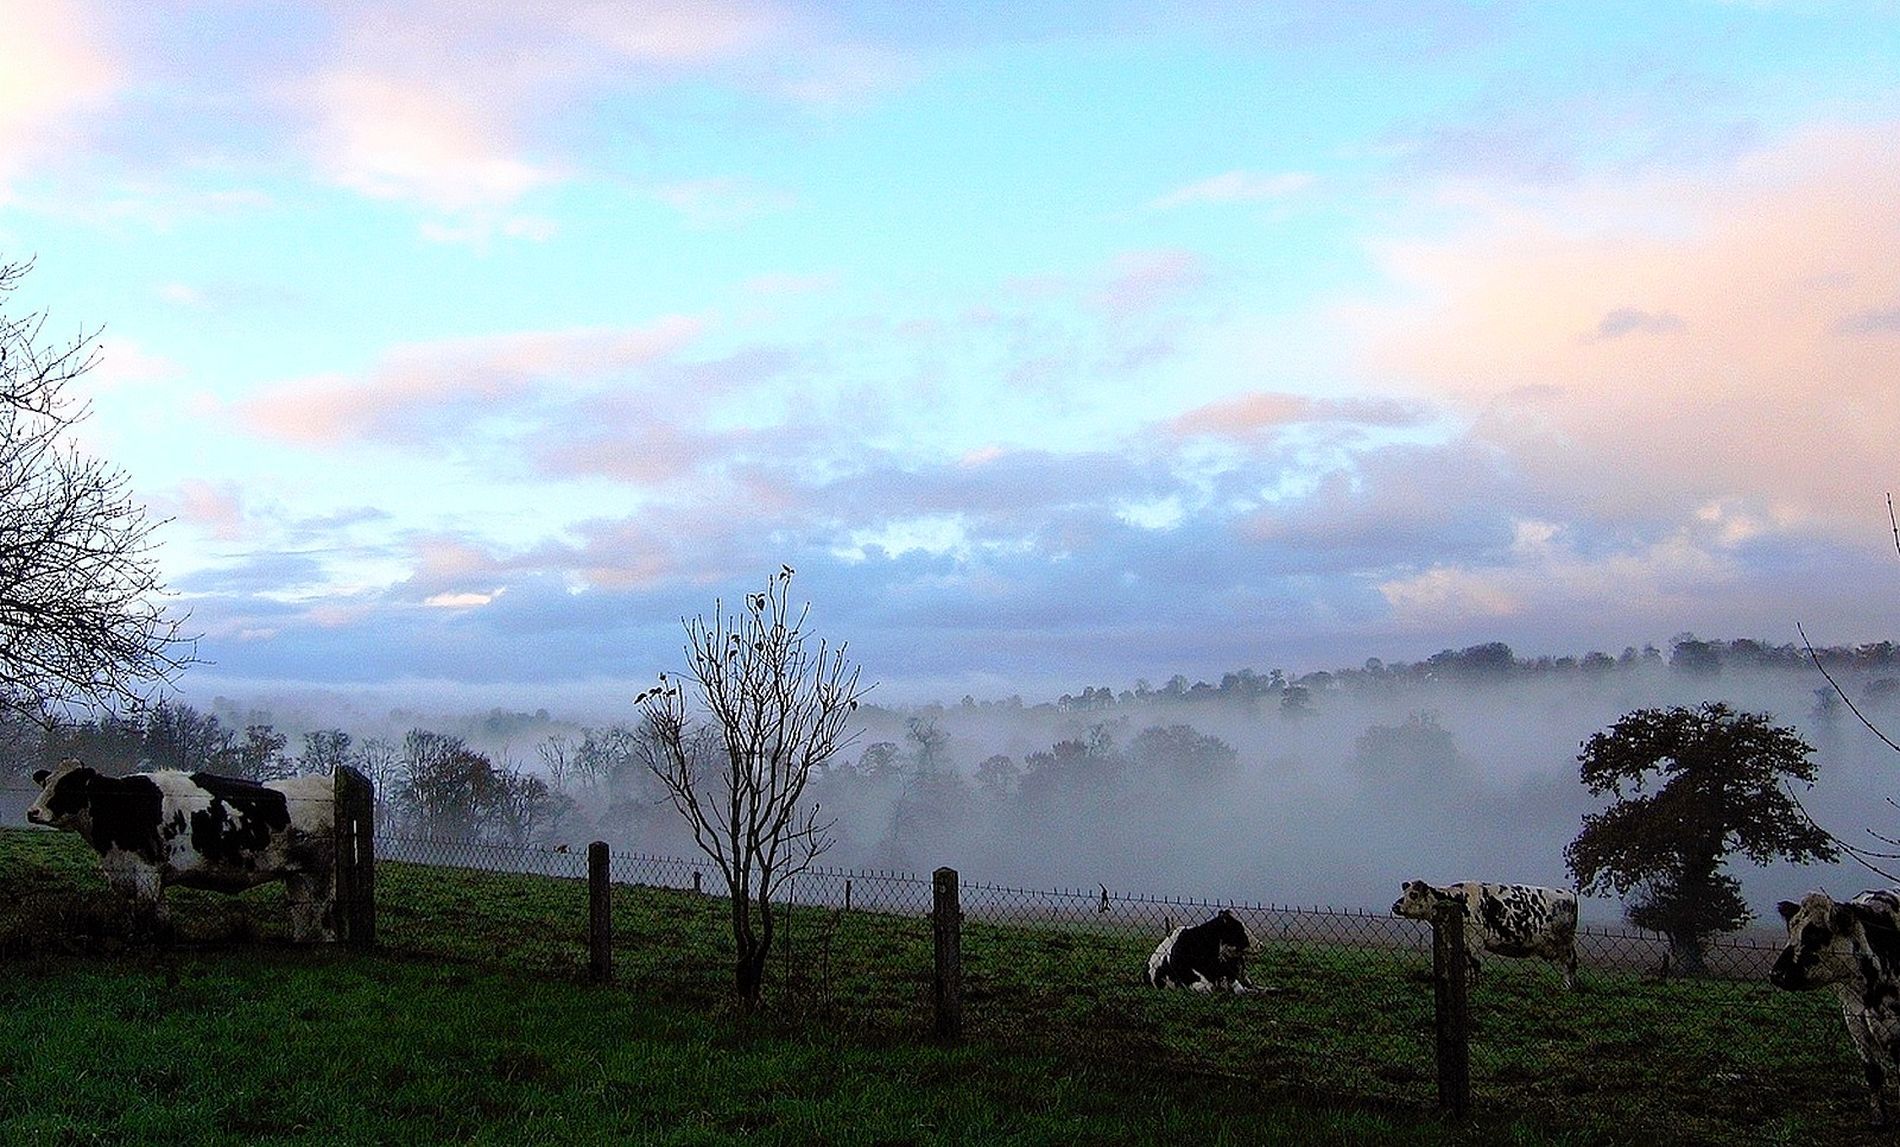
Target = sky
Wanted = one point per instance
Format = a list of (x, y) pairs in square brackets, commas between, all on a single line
[(467, 347)]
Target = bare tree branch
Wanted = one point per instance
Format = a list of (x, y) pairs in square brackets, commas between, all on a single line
[(776, 707), (81, 624)]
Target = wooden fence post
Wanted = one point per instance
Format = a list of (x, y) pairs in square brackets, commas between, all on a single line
[(600, 915), (1452, 1009), (355, 843), (947, 917)]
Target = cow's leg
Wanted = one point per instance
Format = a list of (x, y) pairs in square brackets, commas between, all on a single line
[(1569, 965), (312, 908), (144, 890), (1867, 1044)]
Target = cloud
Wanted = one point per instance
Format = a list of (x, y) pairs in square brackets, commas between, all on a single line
[(1545, 576), (1234, 187), (215, 508), (1631, 320), (55, 73), (395, 138), (1878, 321), (465, 110), (1243, 415), (1140, 282), (438, 391), (1765, 390)]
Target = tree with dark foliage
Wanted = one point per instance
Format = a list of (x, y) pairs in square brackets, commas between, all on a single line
[(80, 621), (1691, 787), (776, 705)]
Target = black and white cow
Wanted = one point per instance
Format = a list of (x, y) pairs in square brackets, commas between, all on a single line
[(1504, 919), (1855, 946), (153, 830), (1206, 957)]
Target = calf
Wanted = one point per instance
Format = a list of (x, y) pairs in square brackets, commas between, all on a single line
[(1855, 946), (1504, 919), (1205, 957), (153, 830)]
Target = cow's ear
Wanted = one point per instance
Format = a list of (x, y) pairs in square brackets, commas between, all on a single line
[(40, 775), (1787, 908)]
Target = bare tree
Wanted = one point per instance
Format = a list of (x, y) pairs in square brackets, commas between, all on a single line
[(81, 623), (775, 706), (380, 761), (556, 751)]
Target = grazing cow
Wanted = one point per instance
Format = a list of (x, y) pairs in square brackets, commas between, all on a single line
[(1205, 957), (1854, 946), (153, 830), (1504, 919)]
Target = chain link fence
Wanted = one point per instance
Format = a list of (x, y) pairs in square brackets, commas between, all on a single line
[(1344, 1011)]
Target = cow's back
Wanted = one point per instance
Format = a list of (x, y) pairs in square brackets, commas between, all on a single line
[(1521, 919), (228, 834), (311, 800)]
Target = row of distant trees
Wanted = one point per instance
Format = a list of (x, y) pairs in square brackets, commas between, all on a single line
[(1494, 662)]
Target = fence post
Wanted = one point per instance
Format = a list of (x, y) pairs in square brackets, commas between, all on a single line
[(1451, 1009), (600, 915), (947, 917), (355, 844)]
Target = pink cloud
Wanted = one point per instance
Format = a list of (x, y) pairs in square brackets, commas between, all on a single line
[(1243, 414), (54, 72), (426, 388), (436, 102), (1145, 280), (397, 138), (217, 509), (1768, 387)]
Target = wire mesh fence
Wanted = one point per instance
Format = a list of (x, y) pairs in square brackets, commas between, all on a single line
[(1343, 1006)]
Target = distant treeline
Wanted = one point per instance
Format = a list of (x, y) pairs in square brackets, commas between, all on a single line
[(589, 779), (1876, 664)]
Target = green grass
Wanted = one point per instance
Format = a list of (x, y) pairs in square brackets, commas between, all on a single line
[(470, 1024)]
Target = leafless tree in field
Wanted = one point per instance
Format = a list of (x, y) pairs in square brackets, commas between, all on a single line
[(735, 740), (81, 620)]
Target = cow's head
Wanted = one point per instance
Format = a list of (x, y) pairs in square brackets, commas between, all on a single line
[(1823, 940), (1231, 936), (1417, 900), (65, 799)]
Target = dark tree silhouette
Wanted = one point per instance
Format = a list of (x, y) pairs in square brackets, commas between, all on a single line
[(80, 620), (775, 707), (1692, 786)]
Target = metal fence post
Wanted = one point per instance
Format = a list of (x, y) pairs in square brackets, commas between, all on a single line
[(947, 917), (354, 831), (1451, 1009), (600, 915)]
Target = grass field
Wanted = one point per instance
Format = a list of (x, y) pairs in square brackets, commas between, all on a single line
[(469, 1024)]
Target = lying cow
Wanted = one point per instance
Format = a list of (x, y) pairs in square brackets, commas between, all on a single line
[(153, 830), (1504, 919), (1854, 946), (1206, 957)]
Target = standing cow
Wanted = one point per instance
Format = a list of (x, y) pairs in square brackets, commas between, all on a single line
[(1504, 919), (153, 830), (1854, 946), (1206, 957)]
